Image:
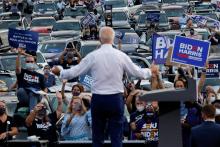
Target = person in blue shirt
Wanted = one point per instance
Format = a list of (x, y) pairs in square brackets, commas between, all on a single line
[(49, 79), (76, 124)]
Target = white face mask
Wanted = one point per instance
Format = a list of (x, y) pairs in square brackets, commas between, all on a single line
[(211, 99), (217, 111), (140, 108)]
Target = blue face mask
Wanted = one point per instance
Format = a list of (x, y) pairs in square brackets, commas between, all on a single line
[(31, 66)]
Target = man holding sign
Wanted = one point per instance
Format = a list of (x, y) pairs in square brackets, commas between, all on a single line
[(29, 81)]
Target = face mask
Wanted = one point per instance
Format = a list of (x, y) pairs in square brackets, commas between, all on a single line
[(140, 108), (42, 112), (191, 32), (31, 66), (77, 107), (70, 55), (217, 111), (46, 71), (76, 93), (2, 111), (211, 99)]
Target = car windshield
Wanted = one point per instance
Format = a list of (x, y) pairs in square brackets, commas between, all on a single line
[(129, 39), (9, 80), (174, 12), (119, 16), (174, 1), (10, 17), (8, 24), (52, 47), (142, 18), (7, 62), (116, 3), (78, 11), (66, 26), (42, 22), (42, 7), (203, 7), (87, 49)]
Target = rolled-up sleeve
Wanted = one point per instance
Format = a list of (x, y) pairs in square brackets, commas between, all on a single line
[(134, 70), (83, 67)]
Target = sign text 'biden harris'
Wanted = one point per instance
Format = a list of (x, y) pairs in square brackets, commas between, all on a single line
[(190, 51)]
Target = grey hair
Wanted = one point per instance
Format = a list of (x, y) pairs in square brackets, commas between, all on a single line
[(103, 37)]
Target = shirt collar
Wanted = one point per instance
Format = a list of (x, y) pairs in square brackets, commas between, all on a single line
[(209, 120), (106, 46)]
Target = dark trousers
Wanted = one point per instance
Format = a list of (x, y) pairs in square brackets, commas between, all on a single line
[(107, 109)]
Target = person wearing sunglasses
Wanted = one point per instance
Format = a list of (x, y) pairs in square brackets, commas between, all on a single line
[(29, 81)]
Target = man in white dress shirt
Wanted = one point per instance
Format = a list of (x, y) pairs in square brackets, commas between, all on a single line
[(107, 66)]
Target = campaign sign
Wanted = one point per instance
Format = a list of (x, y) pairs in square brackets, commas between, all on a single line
[(190, 51), (86, 80), (199, 19), (212, 71), (119, 34), (153, 17), (160, 45), (27, 40), (89, 19)]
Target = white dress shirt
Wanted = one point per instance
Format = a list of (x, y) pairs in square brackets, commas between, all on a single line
[(107, 66)]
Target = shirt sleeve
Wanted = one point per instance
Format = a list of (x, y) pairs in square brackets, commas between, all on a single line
[(134, 70), (83, 67)]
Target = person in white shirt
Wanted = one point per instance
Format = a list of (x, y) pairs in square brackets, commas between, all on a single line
[(107, 66)]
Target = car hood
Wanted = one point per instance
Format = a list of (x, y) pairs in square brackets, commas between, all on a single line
[(65, 33), (129, 47), (51, 55), (45, 29)]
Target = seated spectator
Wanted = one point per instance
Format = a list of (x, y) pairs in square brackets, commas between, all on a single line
[(29, 81), (144, 122), (76, 124), (94, 34), (68, 58), (49, 78), (41, 124), (7, 126), (86, 33), (206, 134)]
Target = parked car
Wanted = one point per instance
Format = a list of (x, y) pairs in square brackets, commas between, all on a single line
[(205, 7), (174, 12), (119, 19), (45, 9), (77, 12), (66, 29), (142, 23), (52, 49), (86, 47), (42, 24), (9, 20)]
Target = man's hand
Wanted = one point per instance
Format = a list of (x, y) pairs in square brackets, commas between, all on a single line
[(154, 69), (3, 136), (20, 51), (59, 96), (56, 70)]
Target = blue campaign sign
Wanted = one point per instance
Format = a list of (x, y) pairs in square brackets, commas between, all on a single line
[(86, 80), (212, 71), (89, 19), (160, 45), (153, 17), (190, 51), (119, 34), (27, 40)]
